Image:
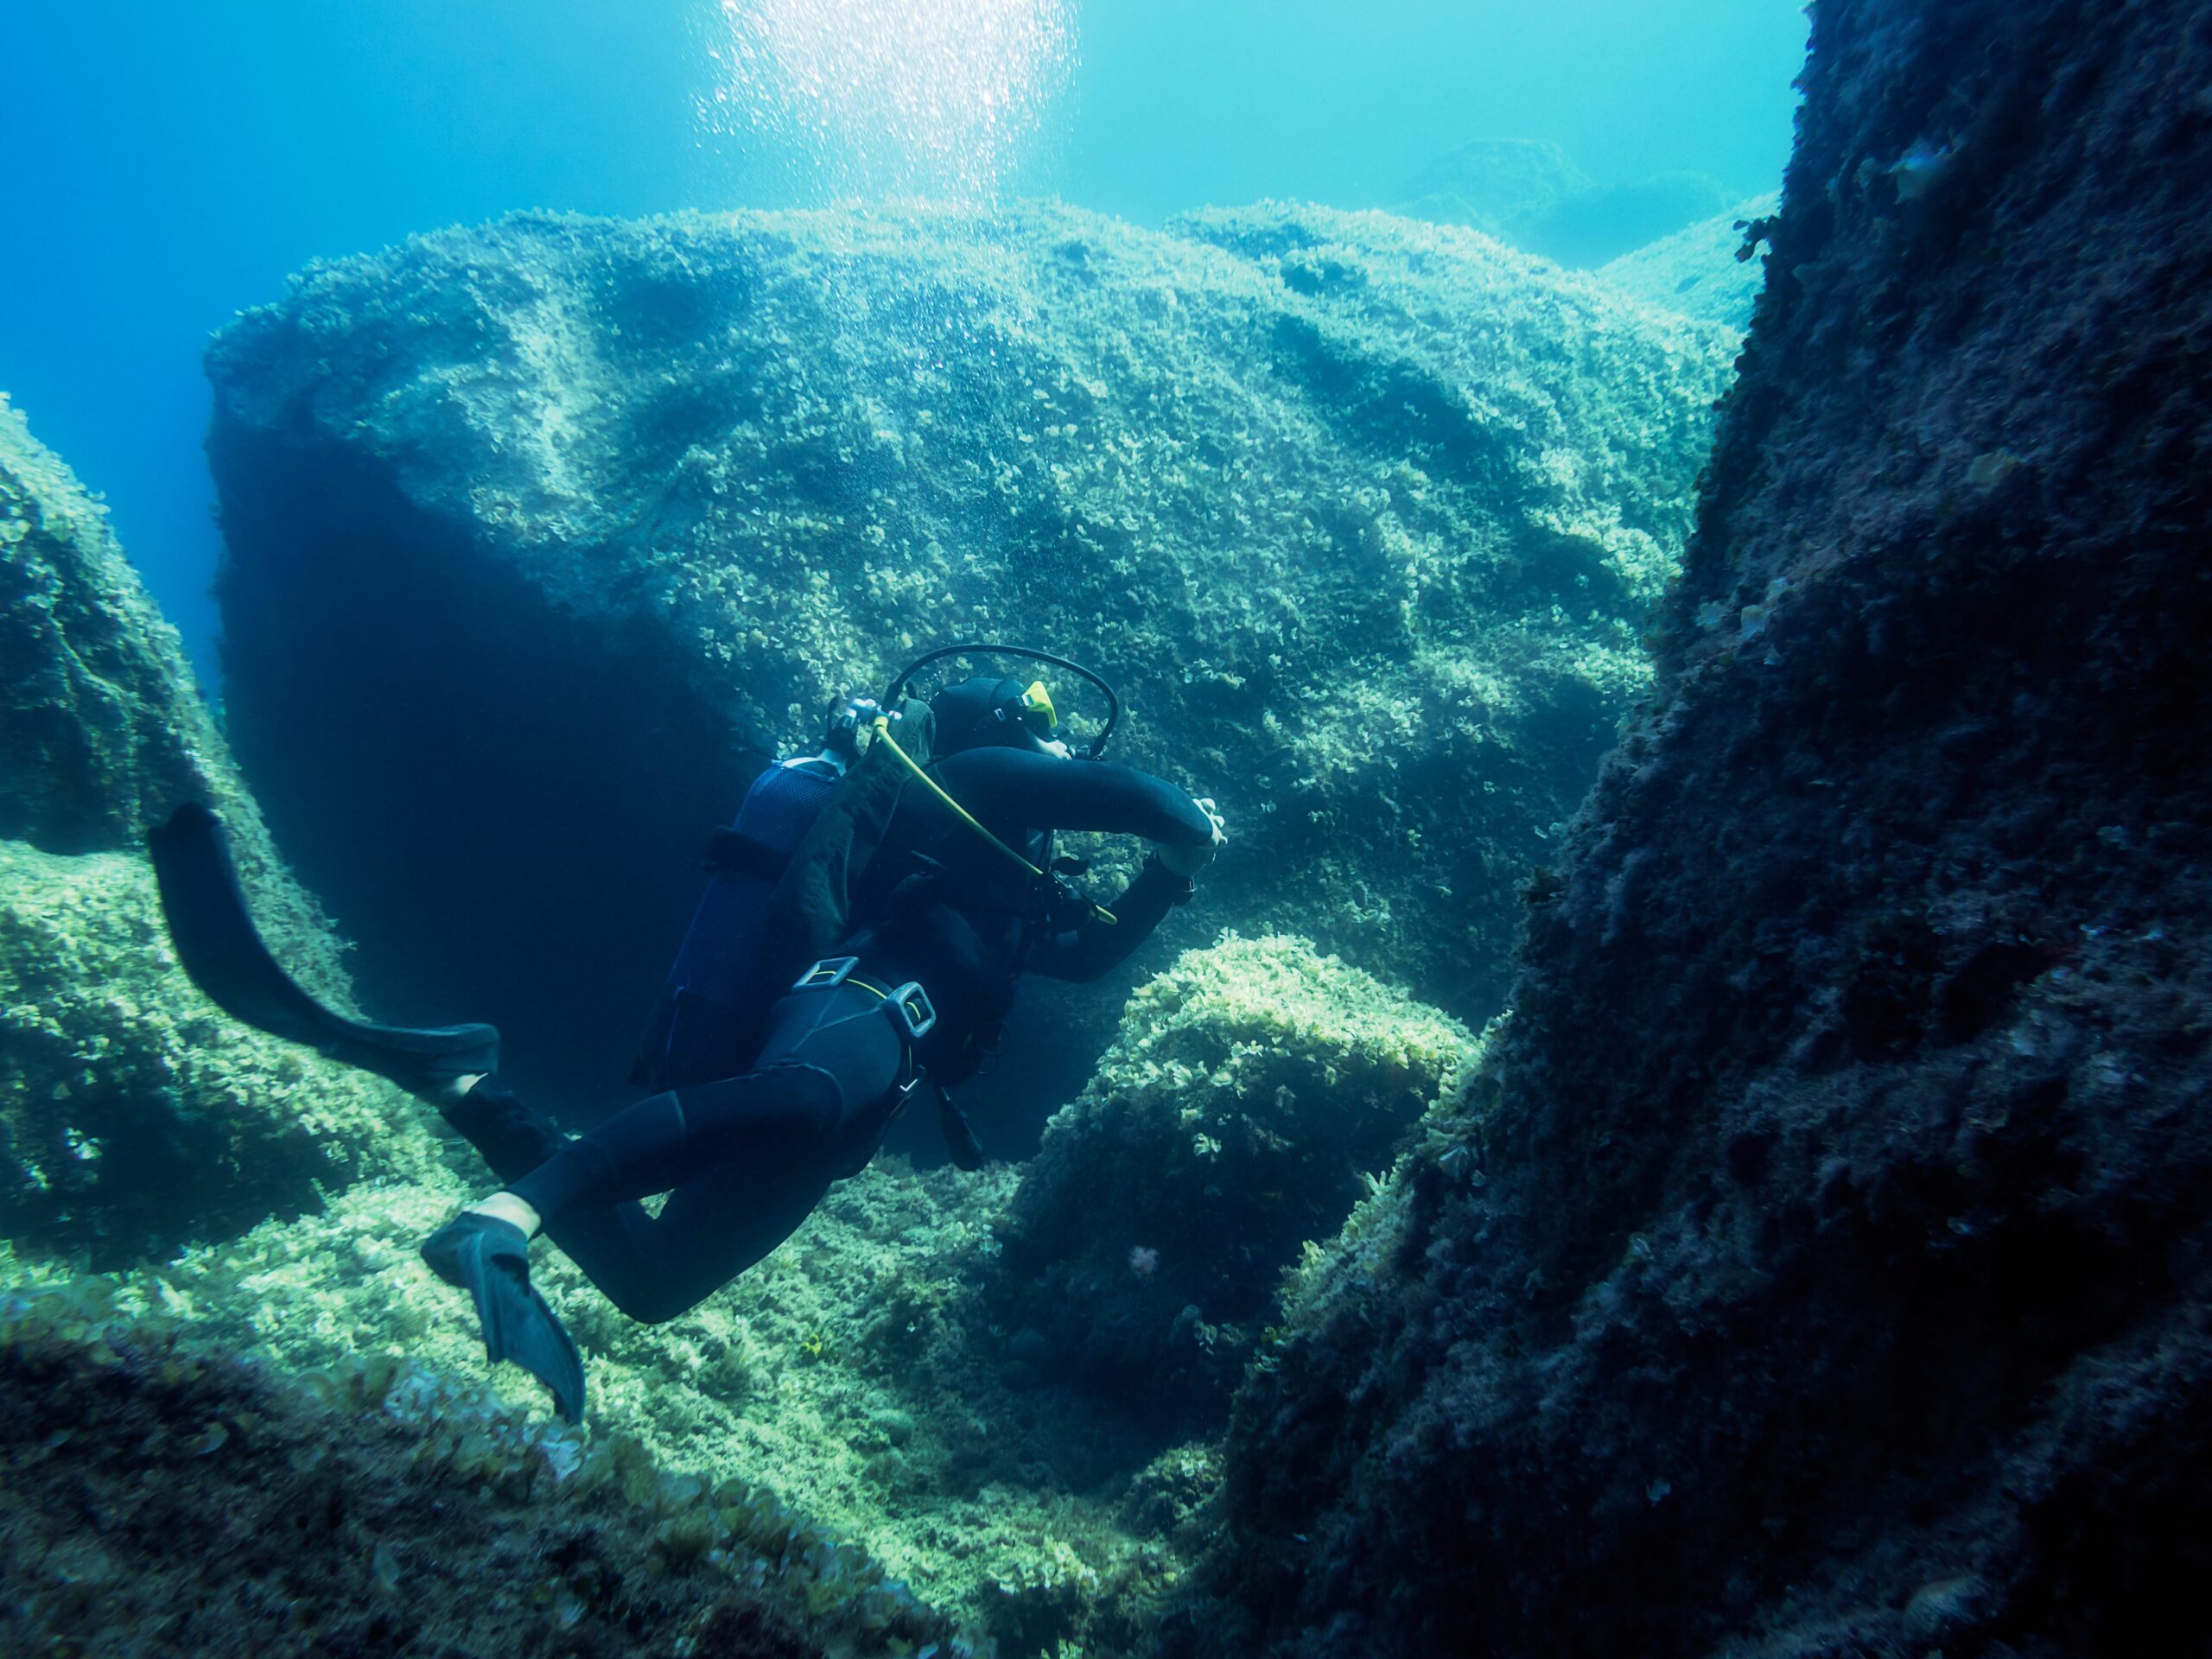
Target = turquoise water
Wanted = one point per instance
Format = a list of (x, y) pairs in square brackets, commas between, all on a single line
[(169, 165)]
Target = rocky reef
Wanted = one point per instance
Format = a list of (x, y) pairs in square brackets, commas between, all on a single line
[(165, 1496), (1832, 1273), (1814, 1261), (880, 1417), (1362, 515), (115, 1073)]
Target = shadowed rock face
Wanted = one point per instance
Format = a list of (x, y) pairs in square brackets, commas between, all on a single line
[(1841, 1278), (542, 536)]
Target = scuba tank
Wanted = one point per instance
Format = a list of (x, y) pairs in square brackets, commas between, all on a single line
[(706, 1021)]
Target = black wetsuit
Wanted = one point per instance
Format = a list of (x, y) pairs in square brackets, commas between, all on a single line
[(743, 1160)]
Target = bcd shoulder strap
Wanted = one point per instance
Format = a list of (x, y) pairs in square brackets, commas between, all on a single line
[(812, 910)]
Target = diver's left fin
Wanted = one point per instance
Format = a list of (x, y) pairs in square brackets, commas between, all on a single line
[(217, 942)]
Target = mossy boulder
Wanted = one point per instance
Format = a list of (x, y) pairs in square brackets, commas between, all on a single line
[(1363, 515), (1256, 1092), (134, 1114), (102, 728)]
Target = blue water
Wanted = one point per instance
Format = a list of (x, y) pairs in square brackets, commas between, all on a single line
[(169, 164)]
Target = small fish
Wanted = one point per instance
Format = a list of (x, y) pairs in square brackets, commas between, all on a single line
[(1920, 168)]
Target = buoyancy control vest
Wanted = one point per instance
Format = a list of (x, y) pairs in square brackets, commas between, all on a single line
[(779, 899), (707, 1021)]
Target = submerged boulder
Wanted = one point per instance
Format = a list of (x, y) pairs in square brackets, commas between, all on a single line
[(101, 729), (134, 1115), (542, 536), (1841, 1280), (1256, 1093)]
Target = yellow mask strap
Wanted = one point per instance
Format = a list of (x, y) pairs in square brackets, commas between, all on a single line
[(1037, 708)]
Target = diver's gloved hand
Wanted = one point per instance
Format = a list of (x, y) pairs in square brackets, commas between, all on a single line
[(1186, 860), (486, 1251)]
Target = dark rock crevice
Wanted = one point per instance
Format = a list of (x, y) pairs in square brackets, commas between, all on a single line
[(413, 738)]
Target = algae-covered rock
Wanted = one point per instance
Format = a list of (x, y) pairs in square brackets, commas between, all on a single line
[(1257, 1091), (542, 535), (102, 730), (134, 1114), (836, 1391), (1703, 270), (165, 1496)]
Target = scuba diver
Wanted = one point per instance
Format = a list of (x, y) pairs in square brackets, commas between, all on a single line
[(866, 918)]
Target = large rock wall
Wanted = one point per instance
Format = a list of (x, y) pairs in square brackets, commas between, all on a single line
[(542, 535), (1832, 1271)]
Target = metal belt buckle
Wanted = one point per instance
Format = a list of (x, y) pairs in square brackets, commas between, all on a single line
[(827, 972), (910, 1006)]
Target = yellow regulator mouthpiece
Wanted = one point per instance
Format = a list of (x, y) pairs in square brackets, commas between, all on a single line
[(1037, 708)]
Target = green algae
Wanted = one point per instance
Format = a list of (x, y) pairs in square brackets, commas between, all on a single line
[(831, 1384), (134, 1115), (1257, 1091), (847, 1400)]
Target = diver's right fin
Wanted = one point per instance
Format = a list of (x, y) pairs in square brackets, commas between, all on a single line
[(220, 948), (490, 1259)]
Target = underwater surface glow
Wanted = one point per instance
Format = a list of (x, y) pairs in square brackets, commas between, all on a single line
[(891, 98)]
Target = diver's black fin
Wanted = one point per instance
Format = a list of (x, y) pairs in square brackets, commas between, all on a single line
[(959, 1138), (216, 941), (490, 1259)]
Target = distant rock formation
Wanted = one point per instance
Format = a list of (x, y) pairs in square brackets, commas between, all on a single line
[(543, 535), (133, 1116), (1702, 271), (1838, 1277), (1527, 193)]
